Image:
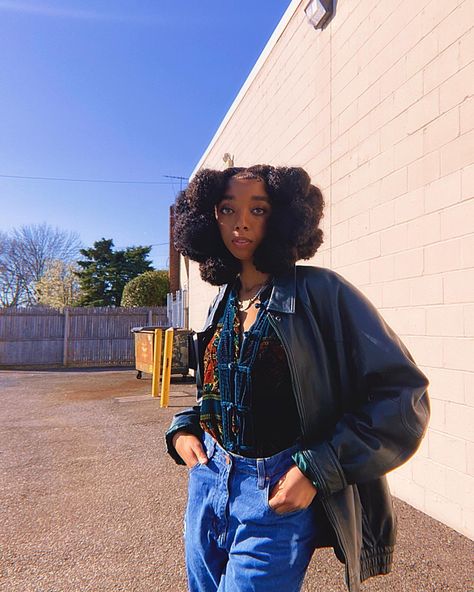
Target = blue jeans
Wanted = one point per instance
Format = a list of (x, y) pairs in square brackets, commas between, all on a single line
[(234, 541)]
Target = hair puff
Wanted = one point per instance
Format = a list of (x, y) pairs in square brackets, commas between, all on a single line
[(293, 231)]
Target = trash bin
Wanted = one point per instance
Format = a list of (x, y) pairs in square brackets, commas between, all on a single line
[(144, 347)]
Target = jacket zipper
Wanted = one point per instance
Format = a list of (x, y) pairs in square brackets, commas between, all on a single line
[(296, 388), (333, 519), (294, 378)]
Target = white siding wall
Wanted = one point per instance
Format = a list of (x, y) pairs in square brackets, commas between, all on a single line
[(378, 108)]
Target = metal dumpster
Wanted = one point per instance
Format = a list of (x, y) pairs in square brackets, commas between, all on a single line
[(144, 344)]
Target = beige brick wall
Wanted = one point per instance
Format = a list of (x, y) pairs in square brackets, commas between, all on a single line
[(378, 108)]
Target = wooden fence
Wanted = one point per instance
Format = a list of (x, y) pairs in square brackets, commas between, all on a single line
[(74, 337)]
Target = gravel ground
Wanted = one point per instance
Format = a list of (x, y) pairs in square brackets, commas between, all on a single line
[(91, 502)]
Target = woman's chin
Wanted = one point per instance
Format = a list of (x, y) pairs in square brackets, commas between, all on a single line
[(241, 254), (243, 257)]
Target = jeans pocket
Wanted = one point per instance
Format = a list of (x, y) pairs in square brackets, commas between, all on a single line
[(285, 514), (209, 450), (194, 467), (272, 511)]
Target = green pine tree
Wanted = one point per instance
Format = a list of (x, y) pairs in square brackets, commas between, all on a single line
[(105, 272)]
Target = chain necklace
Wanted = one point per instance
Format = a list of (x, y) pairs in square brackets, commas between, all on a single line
[(251, 301)]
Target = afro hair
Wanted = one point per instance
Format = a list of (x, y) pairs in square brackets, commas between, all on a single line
[(292, 233)]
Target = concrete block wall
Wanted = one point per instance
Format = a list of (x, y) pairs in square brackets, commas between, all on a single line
[(378, 108)]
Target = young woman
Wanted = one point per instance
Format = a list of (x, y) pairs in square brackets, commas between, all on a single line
[(306, 398)]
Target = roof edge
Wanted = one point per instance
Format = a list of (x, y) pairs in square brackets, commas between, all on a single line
[(277, 33)]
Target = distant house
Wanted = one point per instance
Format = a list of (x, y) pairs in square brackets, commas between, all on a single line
[(378, 107)]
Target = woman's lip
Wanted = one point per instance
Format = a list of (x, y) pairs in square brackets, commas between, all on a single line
[(241, 241)]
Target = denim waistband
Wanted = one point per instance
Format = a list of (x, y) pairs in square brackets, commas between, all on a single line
[(262, 468)]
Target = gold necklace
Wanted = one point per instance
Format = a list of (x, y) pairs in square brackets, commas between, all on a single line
[(251, 300)]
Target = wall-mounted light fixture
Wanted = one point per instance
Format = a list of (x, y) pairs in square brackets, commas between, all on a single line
[(319, 12), (228, 160)]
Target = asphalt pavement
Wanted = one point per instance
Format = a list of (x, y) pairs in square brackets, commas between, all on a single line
[(90, 502)]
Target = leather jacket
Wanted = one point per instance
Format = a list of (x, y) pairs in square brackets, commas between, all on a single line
[(362, 403)]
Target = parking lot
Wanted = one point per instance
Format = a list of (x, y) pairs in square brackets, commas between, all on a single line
[(91, 502)]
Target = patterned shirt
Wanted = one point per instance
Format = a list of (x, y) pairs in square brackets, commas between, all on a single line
[(268, 416)]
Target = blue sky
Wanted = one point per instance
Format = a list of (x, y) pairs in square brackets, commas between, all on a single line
[(116, 90)]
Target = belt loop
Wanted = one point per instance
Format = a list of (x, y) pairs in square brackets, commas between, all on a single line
[(260, 473)]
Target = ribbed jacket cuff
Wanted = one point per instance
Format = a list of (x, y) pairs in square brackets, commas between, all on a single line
[(302, 464), (323, 469), (375, 563)]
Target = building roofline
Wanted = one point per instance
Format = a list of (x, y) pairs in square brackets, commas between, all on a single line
[(277, 33)]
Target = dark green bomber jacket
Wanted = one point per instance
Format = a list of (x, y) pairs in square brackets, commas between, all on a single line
[(362, 403)]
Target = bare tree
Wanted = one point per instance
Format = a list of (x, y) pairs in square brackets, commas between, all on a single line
[(10, 285), (26, 254)]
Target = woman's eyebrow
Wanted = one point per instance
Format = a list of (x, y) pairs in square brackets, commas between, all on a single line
[(255, 197)]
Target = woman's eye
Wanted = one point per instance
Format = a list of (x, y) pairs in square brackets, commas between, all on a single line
[(259, 211), (225, 210)]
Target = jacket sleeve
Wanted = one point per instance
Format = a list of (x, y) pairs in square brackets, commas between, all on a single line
[(188, 419), (385, 401)]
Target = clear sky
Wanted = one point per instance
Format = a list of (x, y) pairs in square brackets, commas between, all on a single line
[(122, 90)]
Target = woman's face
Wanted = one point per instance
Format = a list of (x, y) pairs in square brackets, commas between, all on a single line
[(242, 216)]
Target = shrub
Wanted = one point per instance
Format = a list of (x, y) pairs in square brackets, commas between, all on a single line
[(148, 289)]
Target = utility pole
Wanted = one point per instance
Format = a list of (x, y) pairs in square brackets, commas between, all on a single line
[(181, 179)]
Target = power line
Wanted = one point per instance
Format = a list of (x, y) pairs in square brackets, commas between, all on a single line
[(181, 179), (67, 179), (148, 245), (151, 245)]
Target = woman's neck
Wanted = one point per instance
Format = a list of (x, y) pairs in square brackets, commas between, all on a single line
[(251, 278)]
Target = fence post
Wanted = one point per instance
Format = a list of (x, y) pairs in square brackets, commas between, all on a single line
[(66, 336)]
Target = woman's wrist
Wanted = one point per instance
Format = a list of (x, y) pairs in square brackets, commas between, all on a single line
[(300, 461), (179, 433)]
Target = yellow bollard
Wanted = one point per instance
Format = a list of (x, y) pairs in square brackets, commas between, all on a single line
[(155, 383), (167, 359)]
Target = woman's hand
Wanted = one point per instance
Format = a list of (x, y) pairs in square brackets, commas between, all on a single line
[(294, 491), (189, 448)]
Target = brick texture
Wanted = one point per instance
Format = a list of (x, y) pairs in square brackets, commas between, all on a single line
[(380, 112)]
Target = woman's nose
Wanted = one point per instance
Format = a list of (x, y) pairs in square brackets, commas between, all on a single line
[(241, 222)]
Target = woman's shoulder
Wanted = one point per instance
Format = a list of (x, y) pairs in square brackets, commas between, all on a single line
[(320, 275), (326, 283)]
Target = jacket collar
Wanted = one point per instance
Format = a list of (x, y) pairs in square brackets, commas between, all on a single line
[(282, 297)]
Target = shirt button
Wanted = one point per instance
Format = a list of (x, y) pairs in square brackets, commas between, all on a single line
[(277, 318)]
